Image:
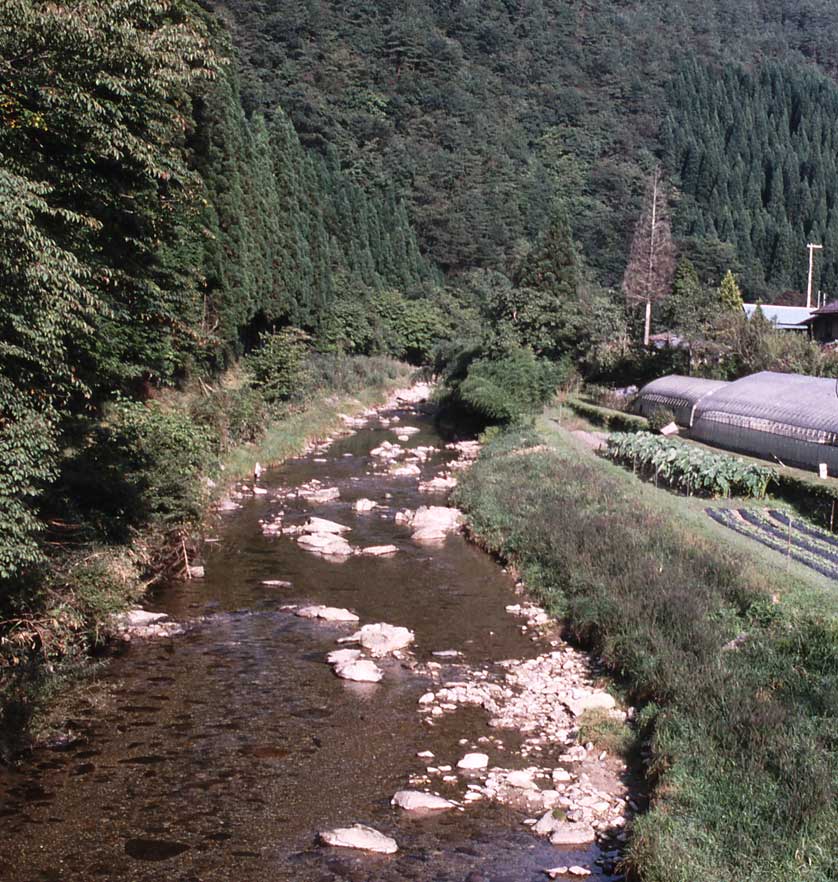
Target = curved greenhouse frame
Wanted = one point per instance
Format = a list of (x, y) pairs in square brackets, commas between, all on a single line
[(678, 393), (791, 419)]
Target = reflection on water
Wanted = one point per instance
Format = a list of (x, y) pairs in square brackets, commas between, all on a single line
[(221, 753)]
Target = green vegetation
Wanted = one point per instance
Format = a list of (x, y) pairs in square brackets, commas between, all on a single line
[(615, 420), (152, 464), (689, 468), (753, 152), (604, 732), (743, 755)]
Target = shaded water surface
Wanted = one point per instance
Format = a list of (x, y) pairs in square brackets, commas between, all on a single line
[(219, 755)]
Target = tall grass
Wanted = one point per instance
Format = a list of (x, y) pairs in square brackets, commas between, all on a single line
[(744, 742)]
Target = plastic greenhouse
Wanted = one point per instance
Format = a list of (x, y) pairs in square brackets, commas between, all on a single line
[(785, 418), (678, 394)]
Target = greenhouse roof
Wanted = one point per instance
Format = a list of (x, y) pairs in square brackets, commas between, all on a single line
[(691, 389), (786, 318), (774, 402)]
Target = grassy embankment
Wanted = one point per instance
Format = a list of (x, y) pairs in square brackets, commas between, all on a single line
[(743, 743), (54, 622)]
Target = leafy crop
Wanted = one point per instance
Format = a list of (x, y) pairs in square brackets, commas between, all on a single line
[(688, 468)]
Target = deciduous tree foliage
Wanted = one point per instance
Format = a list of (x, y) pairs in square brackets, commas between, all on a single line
[(149, 227)]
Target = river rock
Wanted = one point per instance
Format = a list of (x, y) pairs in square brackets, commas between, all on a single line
[(521, 780), (592, 701), (343, 656), (321, 525), (361, 670), (361, 837), (407, 471), (320, 495), (276, 583), (327, 613), (473, 761), (365, 505), (418, 801), (438, 485), (382, 639), (379, 550), (568, 833), (404, 517), (326, 543), (435, 522), (140, 618)]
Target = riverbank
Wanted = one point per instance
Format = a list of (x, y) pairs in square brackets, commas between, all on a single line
[(732, 661), (62, 619), (459, 726)]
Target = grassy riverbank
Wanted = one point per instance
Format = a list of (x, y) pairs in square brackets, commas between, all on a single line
[(743, 742), (55, 621)]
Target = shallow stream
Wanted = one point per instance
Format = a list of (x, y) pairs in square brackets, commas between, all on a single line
[(219, 754)]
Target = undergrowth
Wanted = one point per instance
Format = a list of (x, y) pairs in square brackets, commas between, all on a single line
[(131, 493), (744, 742)]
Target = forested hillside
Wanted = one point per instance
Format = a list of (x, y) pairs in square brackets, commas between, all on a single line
[(482, 114), (150, 229), (755, 158)]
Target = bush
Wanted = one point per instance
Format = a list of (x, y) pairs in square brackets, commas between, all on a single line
[(231, 416), (276, 368), (148, 464), (614, 420), (505, 389), (660, 417)]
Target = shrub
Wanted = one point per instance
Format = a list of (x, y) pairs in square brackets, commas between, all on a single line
[(660, 417), (231, 416), (276, 368), (507, 388), (148, 465)]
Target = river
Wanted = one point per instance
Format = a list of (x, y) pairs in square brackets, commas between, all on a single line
[(221, 753)]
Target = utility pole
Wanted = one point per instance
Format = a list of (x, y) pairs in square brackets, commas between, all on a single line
[(812, 249)]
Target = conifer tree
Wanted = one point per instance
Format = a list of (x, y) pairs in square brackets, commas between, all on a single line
[(730, 296)]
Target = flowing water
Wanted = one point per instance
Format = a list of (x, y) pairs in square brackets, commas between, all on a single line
[(220, 754)]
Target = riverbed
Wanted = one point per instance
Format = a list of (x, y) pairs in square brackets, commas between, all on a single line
[(223, 752)]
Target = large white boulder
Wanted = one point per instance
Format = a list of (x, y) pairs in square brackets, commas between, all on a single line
[(382, 639), (140, 618), (327, 613), (343, 656), (361, 670), (433, 522), (379, 550), (361, 837), (473, 761), (321, 525), (568, 833), (592, 701), (326, 543), (418, 801)]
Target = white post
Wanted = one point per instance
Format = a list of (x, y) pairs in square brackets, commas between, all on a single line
[(812, 248)]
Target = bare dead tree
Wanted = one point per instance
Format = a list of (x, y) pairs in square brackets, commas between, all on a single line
[(651, 266)]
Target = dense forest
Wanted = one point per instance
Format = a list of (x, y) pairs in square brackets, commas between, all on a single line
[(483, 114), (245, 197)]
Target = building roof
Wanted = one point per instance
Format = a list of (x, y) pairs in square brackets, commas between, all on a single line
[(776, 402), (828, 309), (784, 317)]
